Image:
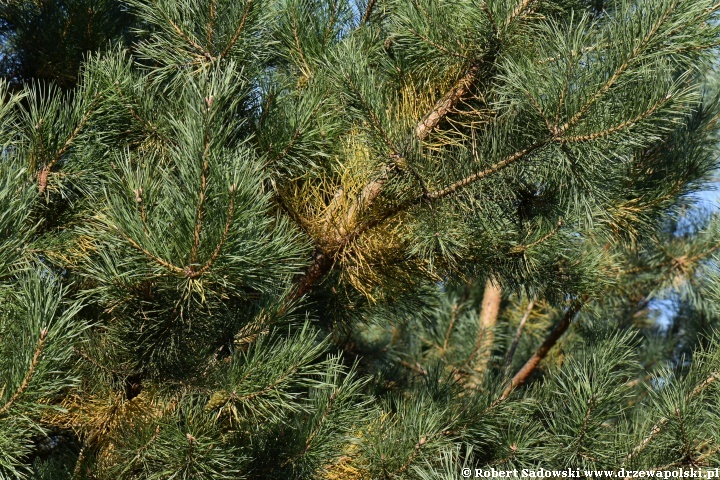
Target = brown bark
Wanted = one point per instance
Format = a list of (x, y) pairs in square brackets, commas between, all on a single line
[(320, 266), (560, 328), (447, 103), (492, 296)]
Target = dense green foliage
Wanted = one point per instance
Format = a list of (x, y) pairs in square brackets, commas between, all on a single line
[(332, 239)]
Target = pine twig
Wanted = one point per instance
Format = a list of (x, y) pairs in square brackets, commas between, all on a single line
[(518, 333), (200, 212), (307, 71), (331, 22), (241, 26), (658, 427), (149, 254), (368, 11), (560, 328), (322, 262), (453, 319), (518, 11), (226, 230), (187, 37), (617, 73), (28, 376), (506, 162), (448, 102), (43, 175)]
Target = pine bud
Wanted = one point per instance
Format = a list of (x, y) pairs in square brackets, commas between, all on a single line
[(217, 400)]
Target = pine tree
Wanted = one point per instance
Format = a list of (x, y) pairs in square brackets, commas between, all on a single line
[(357, 240)]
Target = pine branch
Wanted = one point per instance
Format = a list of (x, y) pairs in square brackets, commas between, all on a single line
[(436, 45), (523, 248), (150, 255), (453, 319), (319, 267), (268, 388), (141, 206), (43, 175), (416, 367), (519, 11), (540, 112), (203, 53), (95, 363), (200, 212), (226, 230), (374, 120), (28, 376), (448, 102), (560, 328), (322, 261), (211, 23), (586, 420), (518, 333), (368, 11), (239, 29), (331, 22), (307, 71), (637, 50), (316, 430), (416, 450), (146, 123), (506, 162), (571, 63), (664, 420), (674, 262), (323, 418), (621, 126), (142, 449)]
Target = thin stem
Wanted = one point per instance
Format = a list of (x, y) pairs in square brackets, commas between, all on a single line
[(518, 334), (307, 70), (506, 162), (658, 427), (239, 29), (28, 376), (368, 11), (200, 212), (42, 177), (560, 328), (149, 254), (223, 238)]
